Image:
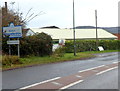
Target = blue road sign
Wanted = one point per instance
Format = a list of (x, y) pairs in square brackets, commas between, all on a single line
[(13, 31)]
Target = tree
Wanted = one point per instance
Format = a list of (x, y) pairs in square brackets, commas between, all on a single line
[(9, 16)]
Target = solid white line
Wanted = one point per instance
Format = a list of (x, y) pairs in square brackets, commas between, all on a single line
[(71, 85), (92, 68), (39, 83), (106, 70)]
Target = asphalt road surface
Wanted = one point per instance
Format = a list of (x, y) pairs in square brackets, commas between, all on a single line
[(20, 78), (108, 80)]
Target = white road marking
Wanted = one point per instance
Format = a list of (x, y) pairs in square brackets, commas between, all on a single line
[(106, 70), (117, 62), (92, 68), (38, 83), (56, 83), (70, 85), (78, 76)]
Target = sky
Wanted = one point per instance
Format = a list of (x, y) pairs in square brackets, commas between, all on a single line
[(60, 12)]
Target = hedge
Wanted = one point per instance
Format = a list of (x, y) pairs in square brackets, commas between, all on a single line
[(90, 45)]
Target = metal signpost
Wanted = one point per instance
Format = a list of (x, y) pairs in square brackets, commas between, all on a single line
[(13, 32)]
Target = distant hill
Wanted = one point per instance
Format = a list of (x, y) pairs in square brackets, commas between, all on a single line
[(113, 30), (84, 27)]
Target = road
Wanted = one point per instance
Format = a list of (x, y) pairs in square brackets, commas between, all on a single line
[(19, 78), (104, 81)]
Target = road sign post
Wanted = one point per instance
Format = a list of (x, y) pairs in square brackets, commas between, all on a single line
[(13, 32), (9, 48), (18, 49)]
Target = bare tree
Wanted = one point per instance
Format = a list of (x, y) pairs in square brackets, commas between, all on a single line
[(16, 16)]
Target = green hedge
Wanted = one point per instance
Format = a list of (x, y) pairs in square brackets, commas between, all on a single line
[(90, 45), (36, 45)]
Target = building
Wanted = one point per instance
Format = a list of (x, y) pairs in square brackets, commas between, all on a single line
[(114, 30), (67, 34), (59, 35)]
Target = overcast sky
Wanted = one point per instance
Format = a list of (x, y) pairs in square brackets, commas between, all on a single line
[(59, 12)]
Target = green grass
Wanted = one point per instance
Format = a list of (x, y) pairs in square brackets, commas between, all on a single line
[(105, 51), (51, 59)]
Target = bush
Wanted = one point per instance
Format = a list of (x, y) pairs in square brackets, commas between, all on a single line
[(37, 45), (90, 45), (59, 52), (9, 60)]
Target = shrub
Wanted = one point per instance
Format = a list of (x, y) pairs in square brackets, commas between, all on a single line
[(90, 45), (37, 45), (59, 52), (9, 60)]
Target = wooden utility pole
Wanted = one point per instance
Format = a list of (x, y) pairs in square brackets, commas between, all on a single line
[(6, 13), (6, 8), (96, 30), (74, 29)]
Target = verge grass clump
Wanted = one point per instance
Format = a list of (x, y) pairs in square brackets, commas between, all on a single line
[(9, 60)]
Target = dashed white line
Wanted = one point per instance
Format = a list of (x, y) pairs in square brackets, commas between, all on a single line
[(92, 68), (117, 62), (78, 76), (56, 83), (71, 85), (38, 83), (106, 70)]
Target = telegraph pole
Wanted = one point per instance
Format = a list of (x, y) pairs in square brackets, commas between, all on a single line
[(6, 8), (96, 30), (74, 29), (6, 12)]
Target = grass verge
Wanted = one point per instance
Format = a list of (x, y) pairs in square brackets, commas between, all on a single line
[(31, 61)]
